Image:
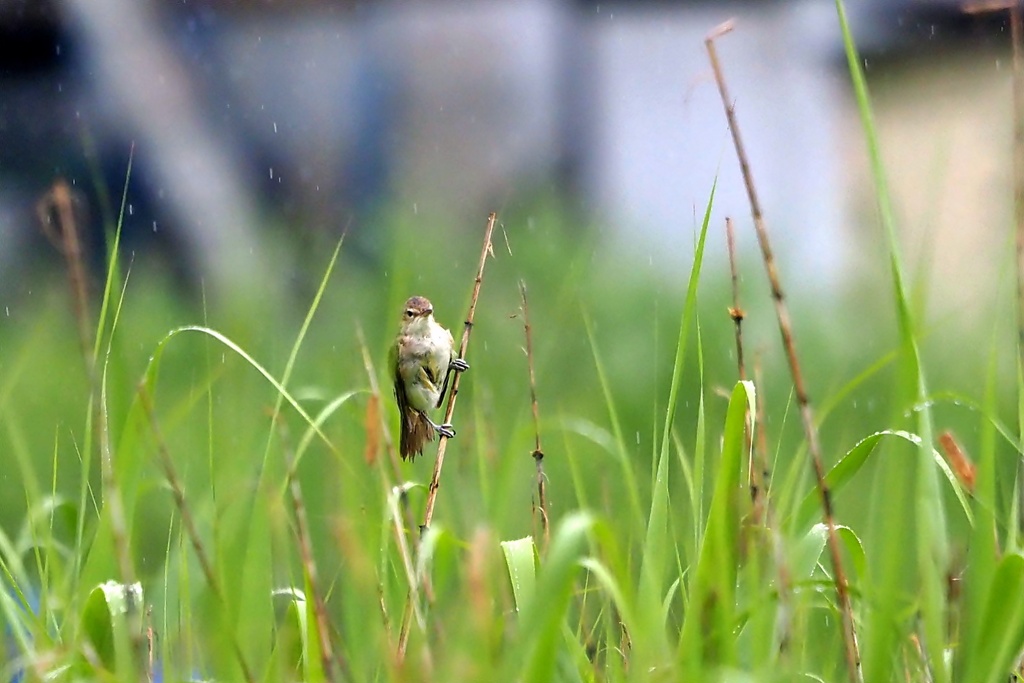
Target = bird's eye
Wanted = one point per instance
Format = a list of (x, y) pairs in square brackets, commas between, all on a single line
[(410, 313)]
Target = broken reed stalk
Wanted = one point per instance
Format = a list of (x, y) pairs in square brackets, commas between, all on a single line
[(178, 493), (306, 553), (850, 646), (538, 453), (435, 479)]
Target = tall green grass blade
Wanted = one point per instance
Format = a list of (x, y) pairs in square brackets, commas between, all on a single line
[(707, 634), (655, 553), (983, 547), (928, 541), (620, 443), (997, 646), (294, 353)]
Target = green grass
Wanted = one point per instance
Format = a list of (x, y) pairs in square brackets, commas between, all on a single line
[(655, 569)]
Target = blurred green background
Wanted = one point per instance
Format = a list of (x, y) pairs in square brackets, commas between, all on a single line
[(845, 346)]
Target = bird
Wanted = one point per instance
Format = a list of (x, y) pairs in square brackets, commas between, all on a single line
[(422, 360)]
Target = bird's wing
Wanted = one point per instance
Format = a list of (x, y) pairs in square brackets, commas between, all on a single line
[(414, 430)]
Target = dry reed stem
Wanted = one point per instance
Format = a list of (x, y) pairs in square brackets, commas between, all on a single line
[(178, 493), (538, 452), (435, 479), (306, 553), (850, 646)]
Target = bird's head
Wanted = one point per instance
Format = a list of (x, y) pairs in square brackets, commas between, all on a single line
[(418, 311)]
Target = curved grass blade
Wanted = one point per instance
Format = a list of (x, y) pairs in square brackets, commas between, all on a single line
[(851, 463)]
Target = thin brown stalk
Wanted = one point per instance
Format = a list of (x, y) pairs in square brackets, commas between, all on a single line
[(850, 646), (178, 493), (306, 553), (435, 479), (541, 506)]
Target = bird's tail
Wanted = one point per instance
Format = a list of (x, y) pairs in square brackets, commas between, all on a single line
[(416, 432)]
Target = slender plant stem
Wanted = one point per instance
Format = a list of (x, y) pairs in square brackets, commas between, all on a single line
[(851, 649), (538, 452), (435, 479), (735, 312)]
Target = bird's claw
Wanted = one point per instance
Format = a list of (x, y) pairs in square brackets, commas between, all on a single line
[(446, 430), (459, 365)]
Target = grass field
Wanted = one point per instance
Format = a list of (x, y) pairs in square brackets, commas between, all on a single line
[(210, 492)]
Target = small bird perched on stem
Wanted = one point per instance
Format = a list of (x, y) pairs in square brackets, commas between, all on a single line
[(422, 362)]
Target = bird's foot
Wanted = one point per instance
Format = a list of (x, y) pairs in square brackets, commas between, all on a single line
[(445, 430), (459, 365)]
